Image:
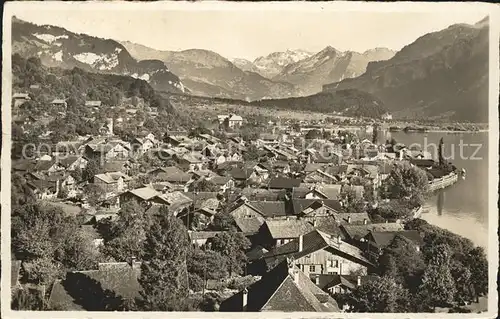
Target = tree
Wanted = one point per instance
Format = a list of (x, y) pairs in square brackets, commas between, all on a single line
[(403, 262), (251, 153), (437, 281), (42, 271), (205, 264), (407, 182), (313, 134), (477, 262), (164, 276), (127, 233), (381, 295), (232, 245), (93, 168), (94, 193), (223, 221)]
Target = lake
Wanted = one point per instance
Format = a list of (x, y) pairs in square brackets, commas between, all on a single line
[(463, 207)]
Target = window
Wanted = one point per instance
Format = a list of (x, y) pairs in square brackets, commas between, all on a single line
[(333, 273), (312, 268), (334, 263)]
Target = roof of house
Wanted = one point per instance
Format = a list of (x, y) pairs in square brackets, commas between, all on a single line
[(423, 162), (292, 228), (269, 208), (284, 182), (236, 118), (359, 231), (311, 167), (58, 101), (93, 290), (260, 194), (314, 241), (144, 193), (256, 253), (248, 225), (23, 165), (383, 239), (352, 218), (112, 177), (299, 205), (219, 180), (44, 165), (239, 173), (114, 166), (281, 290), (175, 199)]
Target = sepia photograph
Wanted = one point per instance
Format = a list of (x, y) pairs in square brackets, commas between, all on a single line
[(249, 157)]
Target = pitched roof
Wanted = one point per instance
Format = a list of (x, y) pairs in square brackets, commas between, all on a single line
[(112, 177), (93, 103), (261, 194), (314, 241), (144, 193), (283, 182), (299, 205), (359, 231), (292, 228), (269, 209), (383, 239), (282, 290), (93, 290)]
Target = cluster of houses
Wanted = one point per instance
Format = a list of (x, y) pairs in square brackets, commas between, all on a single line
[(289, 202)]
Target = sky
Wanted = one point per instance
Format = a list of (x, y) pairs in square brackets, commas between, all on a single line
[(250, 34)]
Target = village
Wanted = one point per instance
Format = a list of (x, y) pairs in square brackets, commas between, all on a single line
[(299, 214)]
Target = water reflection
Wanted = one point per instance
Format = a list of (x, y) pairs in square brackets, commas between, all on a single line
[(440, 202)]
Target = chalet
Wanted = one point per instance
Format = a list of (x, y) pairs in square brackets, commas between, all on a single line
[(172, 175), (314, 191), (142, 195), (107, 151), (61, 103), (285, 288), (43, 189), (73, 162), (112, 183), (20, 98), (319, 253), (205, 205), (279, 232), (48, 167), (235, 121), (314, 208), (191, 161), (142, 145), (209, 138)]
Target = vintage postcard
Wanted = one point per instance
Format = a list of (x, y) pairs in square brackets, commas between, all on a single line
[(207, 159)]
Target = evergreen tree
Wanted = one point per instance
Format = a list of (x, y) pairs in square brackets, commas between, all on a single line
[(163, 275)]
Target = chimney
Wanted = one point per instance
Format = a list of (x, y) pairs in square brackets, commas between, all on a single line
[(365, 221), (339, 239), (359, 281), (245, 299), (301, 243), (315, 223), (317, 280), (348, 219)]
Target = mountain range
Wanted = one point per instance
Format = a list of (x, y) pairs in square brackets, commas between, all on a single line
[(58, 47), (441, 75)]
